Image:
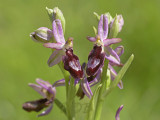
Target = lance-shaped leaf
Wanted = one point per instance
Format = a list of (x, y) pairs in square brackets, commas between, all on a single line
[(113, 75), (119, 76), (60, 106)]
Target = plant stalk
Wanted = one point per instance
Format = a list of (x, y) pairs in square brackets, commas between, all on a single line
[(100, 99)]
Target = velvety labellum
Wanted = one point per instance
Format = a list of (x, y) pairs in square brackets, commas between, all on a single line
[(36, 105), (95, 60), (71, 64)]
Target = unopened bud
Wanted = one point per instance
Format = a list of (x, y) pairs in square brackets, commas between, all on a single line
[(109, 17), (42, 35), (56, 13), (116, 26)]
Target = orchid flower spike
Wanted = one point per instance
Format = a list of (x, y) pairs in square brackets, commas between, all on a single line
[(48, 92)]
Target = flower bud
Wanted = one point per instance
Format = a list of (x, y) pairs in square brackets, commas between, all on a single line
[(42, 35), (116, 26), (56, 13), (109, 17)]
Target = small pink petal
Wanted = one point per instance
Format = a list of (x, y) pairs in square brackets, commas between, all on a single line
[(57, 46), (86, 89), (92, 39), (47, 111), (55, 58), (108, 42), (118, 112)]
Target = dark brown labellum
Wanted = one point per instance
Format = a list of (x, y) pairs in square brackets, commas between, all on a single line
[(95, 60), (71, 64), (36, 105)]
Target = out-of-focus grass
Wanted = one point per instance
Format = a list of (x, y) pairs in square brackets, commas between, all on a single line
[(22, 60)]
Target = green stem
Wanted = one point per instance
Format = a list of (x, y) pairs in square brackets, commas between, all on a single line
[(66, 77), (69, 88), (100, 99), (71, 101)]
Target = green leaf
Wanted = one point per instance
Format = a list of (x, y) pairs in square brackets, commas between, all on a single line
[(91, 107), (60, 106), (71, 100), (119, 76)]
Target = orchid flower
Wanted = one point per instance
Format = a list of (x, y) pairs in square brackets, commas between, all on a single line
[(102, 40), (59, 46), (48, 92), (97, 55), (63, 51)]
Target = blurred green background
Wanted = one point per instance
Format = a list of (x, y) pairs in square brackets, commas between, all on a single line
[(22, 60)]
